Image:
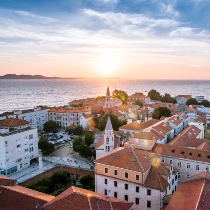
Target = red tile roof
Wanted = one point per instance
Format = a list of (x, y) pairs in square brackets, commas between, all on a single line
[(199, 188), (6, 181), (127, 158), (181, 152), (162, 128), (13, 122), (76, 198)]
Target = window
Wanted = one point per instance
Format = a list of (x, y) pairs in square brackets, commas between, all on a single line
[(188, 165), (126, 197), (176, 177), (199, 155), (207, 168), (179, 164), (106, 170), (137, 177), (105, 181), (137, 201), (182, 152), (197, 168), (187, 175), (126, 186), (190, 153), (126, 175), (172, 150), (107, 140), (148, 204), (171, 161), (115, 172), (115, 183), (179, 175), (115, 194), (148, 192), (137, 189), (163, 160), (31, 136), (105, 192), (172, 181), (19, 145)]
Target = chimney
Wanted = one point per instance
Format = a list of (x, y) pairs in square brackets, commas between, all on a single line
[(129, 121), (108, 192)]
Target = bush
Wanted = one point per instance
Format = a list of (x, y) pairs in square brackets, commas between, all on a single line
[(89, 137), (45, 146)]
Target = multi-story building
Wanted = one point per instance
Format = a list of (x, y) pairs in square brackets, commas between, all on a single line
[(67, 116), (36, 117), (182, 99), (18, 145), (136, 176), (190, 160)]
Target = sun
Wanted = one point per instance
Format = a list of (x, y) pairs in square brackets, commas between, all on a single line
[(106, 66)]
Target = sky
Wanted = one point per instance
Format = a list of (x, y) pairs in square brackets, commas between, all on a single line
[(134, 39)]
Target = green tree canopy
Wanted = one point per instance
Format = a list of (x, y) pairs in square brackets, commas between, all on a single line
[(154, 95), (50, 126), (139, 103), (76, 143), (114, 120), (85, 151), (161, 111), (205, 103), (191, 101), (89, 137), (45, 146), (122, 95), (168, 99), (87, 182), (75, 129)]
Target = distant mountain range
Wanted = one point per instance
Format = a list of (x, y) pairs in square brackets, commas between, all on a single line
[(25, 76)]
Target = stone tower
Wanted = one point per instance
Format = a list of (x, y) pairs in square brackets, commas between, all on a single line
[(108, 99), (108, 137)]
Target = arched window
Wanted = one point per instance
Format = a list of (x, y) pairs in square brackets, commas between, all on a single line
[(179, 164), (197, 168), (107, 140)]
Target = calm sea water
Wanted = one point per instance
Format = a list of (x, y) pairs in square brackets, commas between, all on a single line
[(25, 94)]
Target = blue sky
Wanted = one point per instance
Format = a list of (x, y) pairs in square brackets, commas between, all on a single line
[(146, 39)]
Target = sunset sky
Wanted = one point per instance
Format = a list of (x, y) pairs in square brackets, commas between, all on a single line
[(136, 39)]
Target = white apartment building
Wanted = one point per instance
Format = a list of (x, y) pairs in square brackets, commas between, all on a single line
[(17, 148), (36, 117), (67, 116), (182, 99), (136, 176), (199, 98), (189, 160), (85, 121), (175, 123)]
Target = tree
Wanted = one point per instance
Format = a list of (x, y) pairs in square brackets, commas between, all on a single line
[(122, 95), (137, 102), (161, 111), (205, 103), (45, 146), (87, 182), (76, 143), (85, 151), (154, 95), (168, 99), (50, 126), (75, 129), (89, 137), (114, 120), (191, 101)]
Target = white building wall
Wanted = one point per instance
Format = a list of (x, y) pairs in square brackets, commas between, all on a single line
[(16, 149), (155, 197), (183, 168)]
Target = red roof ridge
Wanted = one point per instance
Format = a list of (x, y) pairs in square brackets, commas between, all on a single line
[(137, 159)]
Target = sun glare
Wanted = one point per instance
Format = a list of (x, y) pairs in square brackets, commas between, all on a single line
[(106, 67)]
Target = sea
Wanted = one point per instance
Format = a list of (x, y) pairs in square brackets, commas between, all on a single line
[(27, 94)]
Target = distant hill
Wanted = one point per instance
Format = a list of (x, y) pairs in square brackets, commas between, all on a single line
[(23, 76), (26, 76)]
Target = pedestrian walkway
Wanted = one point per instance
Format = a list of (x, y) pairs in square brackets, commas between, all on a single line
[(32, 171)]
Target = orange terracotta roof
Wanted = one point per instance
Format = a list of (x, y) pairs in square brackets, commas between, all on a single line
[(199, 188), (182, 152), (87, 116), (65, 110), (141, 126), (200, 119), (149, 135), (101, 142), (127, 158), (184, 96), (80, 199), (162, 128), (13, 122), (176, 121), (156, 177)]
